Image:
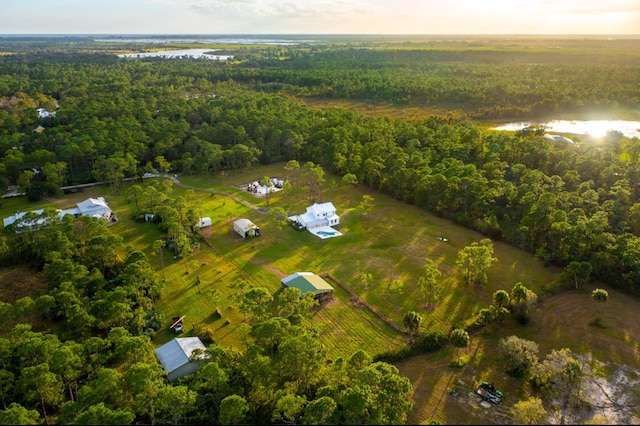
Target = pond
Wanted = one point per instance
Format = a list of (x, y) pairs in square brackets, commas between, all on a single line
[(595, 128), (178, 53)]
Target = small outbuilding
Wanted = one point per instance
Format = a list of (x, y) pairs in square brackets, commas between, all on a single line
[(204, 222), (308, 282), (176, 356), (245, 228)]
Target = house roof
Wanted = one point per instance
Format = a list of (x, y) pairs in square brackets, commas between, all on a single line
[(176, 353), (307, 282), (245, 224), (318, 209), (92, 204), (96, 207), (309, 218), (19, 215), (204, 221)]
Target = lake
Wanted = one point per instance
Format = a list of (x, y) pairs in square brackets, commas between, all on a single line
[(178, 53), (595, 128)]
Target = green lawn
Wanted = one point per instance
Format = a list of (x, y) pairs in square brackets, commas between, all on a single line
[(392, 245)]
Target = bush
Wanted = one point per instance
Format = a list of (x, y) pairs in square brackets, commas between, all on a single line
[(35, 192), (395, 355), (207, 335), (521, 313), (519, 355), (430, 341), (154, 320), (51, 189), (557, 286), (459, 362), (138, 215)]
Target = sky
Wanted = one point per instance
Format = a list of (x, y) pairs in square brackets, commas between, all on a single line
[(320, 17)]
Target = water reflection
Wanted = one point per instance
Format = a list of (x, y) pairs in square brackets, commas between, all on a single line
[(179, 53), (595, 128)]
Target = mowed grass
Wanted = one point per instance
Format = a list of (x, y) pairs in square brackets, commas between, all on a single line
[(392, 244)]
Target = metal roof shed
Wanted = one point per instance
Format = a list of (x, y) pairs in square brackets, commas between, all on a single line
[(308, 282), (175, 356)]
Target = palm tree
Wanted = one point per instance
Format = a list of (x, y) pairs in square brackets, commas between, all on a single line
[(600, 296), (460, 339), (412, 322)]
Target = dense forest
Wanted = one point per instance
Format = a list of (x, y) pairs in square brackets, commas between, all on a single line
[(572, 205)]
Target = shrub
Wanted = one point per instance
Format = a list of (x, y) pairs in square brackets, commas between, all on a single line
[(154, 320), (207, 335), (555, 287), (138, 215), (395, 355), (519, 355), (460, 362), (521, 313), (430, 341)]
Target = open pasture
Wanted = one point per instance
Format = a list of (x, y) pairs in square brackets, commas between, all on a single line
[(392, 245)]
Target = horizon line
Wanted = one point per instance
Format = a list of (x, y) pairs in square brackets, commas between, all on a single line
[(323, 34)]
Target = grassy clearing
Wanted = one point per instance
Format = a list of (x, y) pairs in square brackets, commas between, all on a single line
[(20, 281), (392, 245), (387, 109), (343, 329)]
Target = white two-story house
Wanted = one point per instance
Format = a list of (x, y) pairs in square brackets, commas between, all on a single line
[(319, 215)]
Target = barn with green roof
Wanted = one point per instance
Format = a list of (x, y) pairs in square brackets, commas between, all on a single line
[(308, 282)]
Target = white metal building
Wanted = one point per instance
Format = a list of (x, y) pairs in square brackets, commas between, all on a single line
[(245, 228)]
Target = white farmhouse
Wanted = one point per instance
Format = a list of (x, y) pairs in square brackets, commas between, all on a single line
[(319, 216), (94, 207)]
